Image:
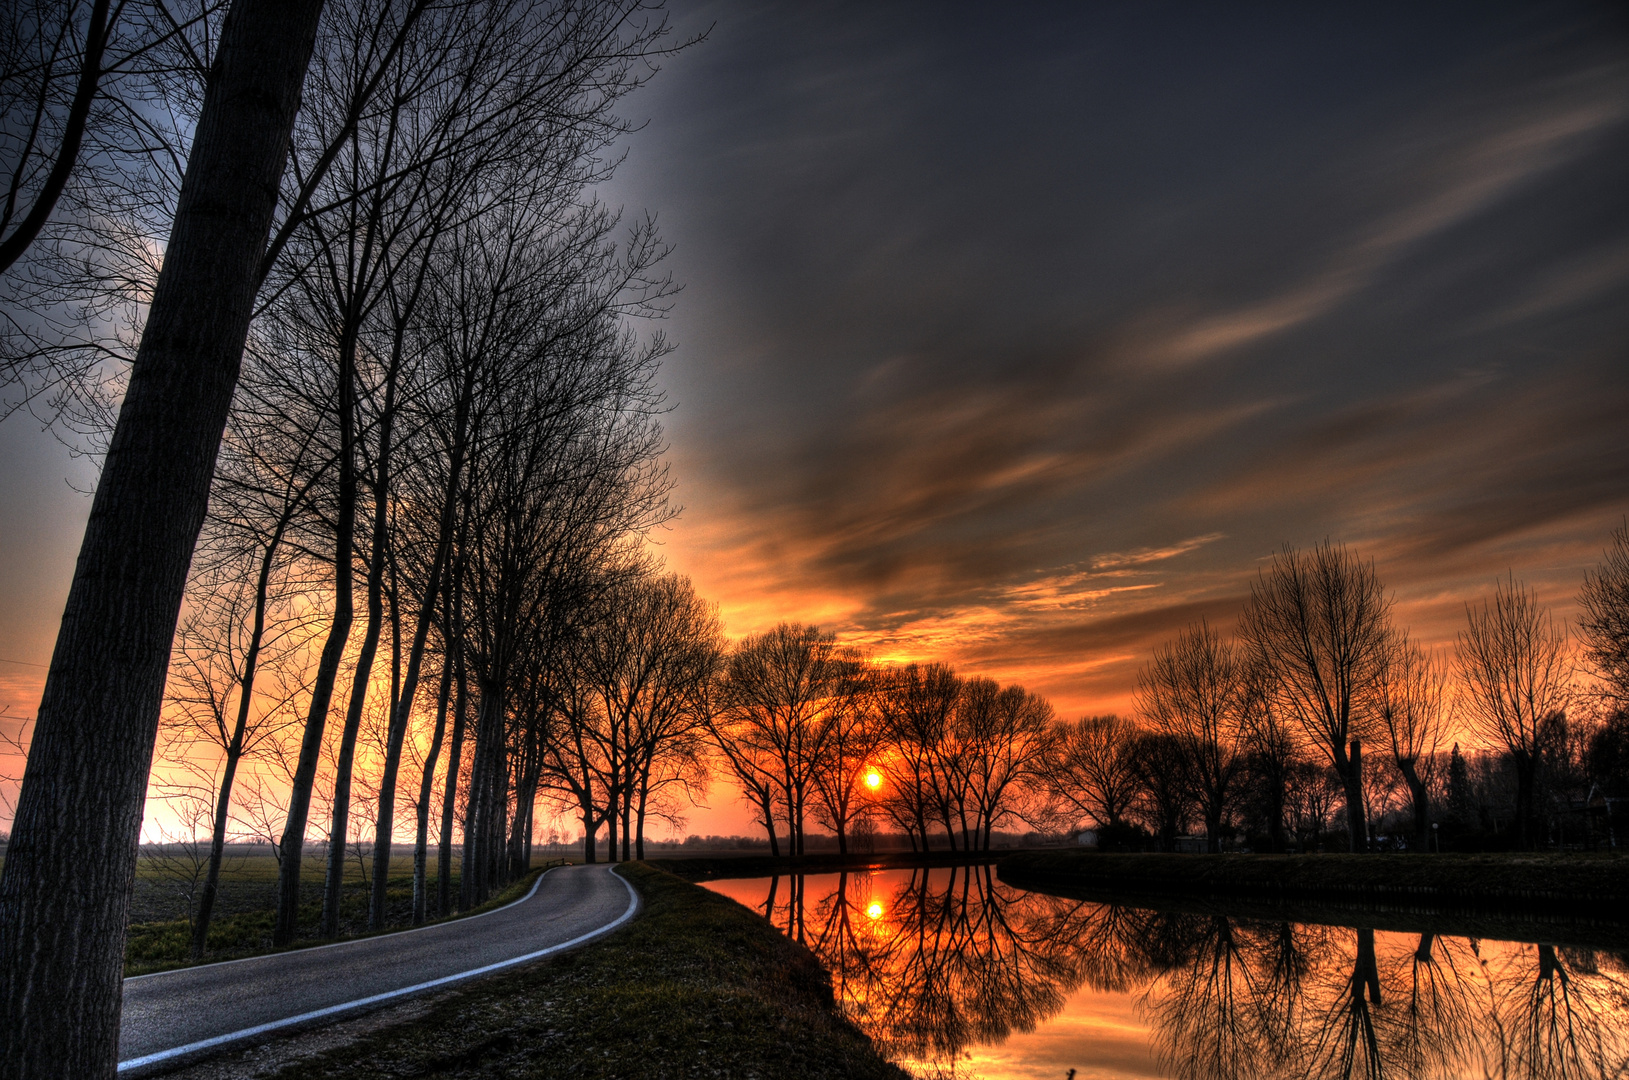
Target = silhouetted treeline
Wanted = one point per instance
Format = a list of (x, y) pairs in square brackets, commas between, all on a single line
[(567, 678)]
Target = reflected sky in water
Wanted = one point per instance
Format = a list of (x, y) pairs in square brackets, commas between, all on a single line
[(954, 973)]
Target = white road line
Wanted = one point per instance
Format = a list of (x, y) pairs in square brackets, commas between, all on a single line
[(332, 1010)]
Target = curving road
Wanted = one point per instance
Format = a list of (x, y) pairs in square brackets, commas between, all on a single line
[(176, 1016)]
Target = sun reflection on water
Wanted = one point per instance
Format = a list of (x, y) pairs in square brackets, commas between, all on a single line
[(953, 973)]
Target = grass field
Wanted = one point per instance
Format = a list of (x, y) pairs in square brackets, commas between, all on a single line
[(697, 986), (160, 933)]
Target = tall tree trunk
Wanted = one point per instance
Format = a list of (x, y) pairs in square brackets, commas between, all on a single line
[(449, 796), (518, 856), (65, 890), (1526, 770), (291, 861), (339, 828), (403, 710), (1356, 825), (217, 848), (496, 866), (644, 796), (766, 805), (1365, 969), (234, 749), (1275, 811), (1421, 799), (791, 820), (488, 797), (377, 559), (426, 787), (613, 798), (590, 826)]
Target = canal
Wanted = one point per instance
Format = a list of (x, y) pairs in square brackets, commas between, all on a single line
[(955, 973)]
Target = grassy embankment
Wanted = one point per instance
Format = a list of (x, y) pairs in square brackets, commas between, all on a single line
[(1588, 886), (242, 925), (697, 986)]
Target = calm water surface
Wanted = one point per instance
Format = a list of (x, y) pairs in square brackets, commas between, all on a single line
[(954, 973)]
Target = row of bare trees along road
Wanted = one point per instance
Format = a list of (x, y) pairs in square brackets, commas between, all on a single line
[(392, 346)]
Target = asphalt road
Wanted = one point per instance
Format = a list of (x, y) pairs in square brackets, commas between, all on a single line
[(177, 1016)]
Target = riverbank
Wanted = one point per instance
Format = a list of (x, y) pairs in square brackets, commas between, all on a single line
[(1582, 885), (696, 986), (749, 866)]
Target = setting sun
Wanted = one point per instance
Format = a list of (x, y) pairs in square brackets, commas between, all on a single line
[(874, 909), (873, 779)]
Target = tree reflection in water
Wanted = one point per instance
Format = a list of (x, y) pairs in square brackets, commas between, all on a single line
[(1442, 992), (946, 960), (1560, 1016)]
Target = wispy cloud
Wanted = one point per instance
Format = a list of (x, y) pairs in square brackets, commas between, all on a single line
[(1144, 556)]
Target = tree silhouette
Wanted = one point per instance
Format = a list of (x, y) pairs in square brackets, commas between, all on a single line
[(1317, 624)]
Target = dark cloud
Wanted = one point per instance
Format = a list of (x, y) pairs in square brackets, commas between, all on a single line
[(1022, 336), (976, 300)]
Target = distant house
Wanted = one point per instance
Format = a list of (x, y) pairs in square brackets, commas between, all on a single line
[(1086, 838), (1191, 845)]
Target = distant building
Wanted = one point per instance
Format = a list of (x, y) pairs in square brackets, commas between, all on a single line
[(1191, 845), (1086, 838)]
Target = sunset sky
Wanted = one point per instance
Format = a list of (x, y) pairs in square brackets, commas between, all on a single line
[(1020, 341), (1023, 342)]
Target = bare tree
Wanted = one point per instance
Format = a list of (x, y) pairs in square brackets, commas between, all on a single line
[(1165, 800), (1411, 700), (1004, 737), (570, 478), (1317, 621), (31, 78), (751, 762), (1517, 674), (249, 612), (1092, 769), (101, 101), (1561, 1020), (850, 746), (1311, 792), (1272, 745), (644, 662), (776, 689), (221, 647), (917, 710), (181, 857), (1603, 622), (431, 118), (685, 636), (1195, 691), (455, 752), (427, 776)]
